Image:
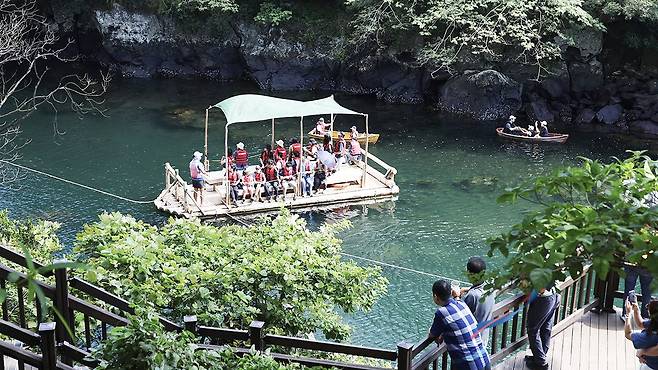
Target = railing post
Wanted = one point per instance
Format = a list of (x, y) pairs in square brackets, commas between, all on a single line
[(404, 355), (190, 323), (167, 181), (48, 346), (599, 291), (62, 303), (256, 335)]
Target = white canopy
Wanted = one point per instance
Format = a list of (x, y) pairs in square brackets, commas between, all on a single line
[(252, 107)]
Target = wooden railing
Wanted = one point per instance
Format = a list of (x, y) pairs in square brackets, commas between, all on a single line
[(577, 298), (53, 341), (389, 171)]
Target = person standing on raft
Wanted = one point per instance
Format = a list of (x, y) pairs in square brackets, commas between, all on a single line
[(197, 171)]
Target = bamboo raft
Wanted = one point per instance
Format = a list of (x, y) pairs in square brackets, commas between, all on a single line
[(177, 197)]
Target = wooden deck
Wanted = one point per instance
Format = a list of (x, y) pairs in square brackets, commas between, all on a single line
[(177, 199), (596, 341)]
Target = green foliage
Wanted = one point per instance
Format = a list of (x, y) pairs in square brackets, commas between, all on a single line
[(272, 14), (593, 213), (457, 30), (641, 10), (144, 344), (276, 271)]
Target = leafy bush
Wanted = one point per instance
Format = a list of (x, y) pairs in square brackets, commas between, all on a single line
[(144, 344), (272, 14), (603, 214), (454, 31), (276, 271)]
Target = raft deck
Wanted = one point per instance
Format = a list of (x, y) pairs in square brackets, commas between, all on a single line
[(177, 197)]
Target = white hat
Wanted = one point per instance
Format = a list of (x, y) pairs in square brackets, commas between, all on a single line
[(279, 142), (240, 145), (531, 127), (321, 119), (198, 155), (543, 123)]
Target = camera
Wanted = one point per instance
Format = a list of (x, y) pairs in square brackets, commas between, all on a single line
[(632, 297)]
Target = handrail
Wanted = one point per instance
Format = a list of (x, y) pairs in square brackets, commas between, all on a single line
[(23, 335), (572, 306), (285, 341), (17, 258)]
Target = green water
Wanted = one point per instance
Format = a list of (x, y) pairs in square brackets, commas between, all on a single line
[(436, 224)]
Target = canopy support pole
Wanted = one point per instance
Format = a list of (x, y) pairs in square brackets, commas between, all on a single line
[(331, 132), (226, 165), (205, 143), (301, 154), (272, 134), (365, 157)]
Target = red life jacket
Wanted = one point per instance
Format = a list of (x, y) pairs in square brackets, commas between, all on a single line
[(288, 171), (241, 157), (233, 178), (258, 177), (270, 173), (280, 153), (264, 156), (337, 147), (327, 146), (296, 148)]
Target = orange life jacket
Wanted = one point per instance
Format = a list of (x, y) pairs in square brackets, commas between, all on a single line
[(280, 153)]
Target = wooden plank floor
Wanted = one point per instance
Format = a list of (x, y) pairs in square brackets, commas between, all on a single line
[(593, 342)]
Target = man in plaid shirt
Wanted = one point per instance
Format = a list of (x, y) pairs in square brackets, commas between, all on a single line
[(455, 325)]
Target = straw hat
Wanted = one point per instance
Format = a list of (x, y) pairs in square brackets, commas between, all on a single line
[(240, 145), (531, 127), (279, 142), (543, 123), (198, 155), (512, 118)]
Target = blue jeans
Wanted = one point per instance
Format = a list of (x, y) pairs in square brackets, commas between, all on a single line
[(307, 184), (540, 324), (632, 274)]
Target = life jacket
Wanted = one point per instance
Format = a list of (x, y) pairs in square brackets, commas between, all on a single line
[(194, 169), (327, 146), (241, 157), (280, 152), (355, 149), (288, 171), (233, 178), (229, 162), (307, 168), (246, 180), (296, 148), (259, 177), (264, 156), (339, 147), (270, 173)]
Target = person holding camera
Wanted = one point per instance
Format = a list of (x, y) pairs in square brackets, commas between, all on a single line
[(645, 339)]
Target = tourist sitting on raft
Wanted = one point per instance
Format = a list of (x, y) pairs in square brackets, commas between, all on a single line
[(259, 184), (289, 179), (272, 183), (321, 127), (307, 173), (312, 147), (234, 184)]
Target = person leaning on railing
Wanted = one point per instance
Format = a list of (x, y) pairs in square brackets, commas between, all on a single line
[(455, 325), (645, 340)]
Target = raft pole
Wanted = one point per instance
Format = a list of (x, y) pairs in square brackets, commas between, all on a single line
[(228, 214)]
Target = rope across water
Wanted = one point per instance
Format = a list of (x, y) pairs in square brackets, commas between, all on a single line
[(229, 215), (77, 184)]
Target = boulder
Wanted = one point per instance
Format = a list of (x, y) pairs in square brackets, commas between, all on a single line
[(585, 116), (538, 110), (644, 129), (486, 95), (586, 77), (610, 114)]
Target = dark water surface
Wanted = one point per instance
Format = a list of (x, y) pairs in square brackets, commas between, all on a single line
[(440, 219)]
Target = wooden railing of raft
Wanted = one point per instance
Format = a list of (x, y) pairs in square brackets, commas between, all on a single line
[(175, 185), (53, 341)]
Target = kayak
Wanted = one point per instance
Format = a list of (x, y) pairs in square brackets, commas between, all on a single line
[(372, 138), (551, 138)]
